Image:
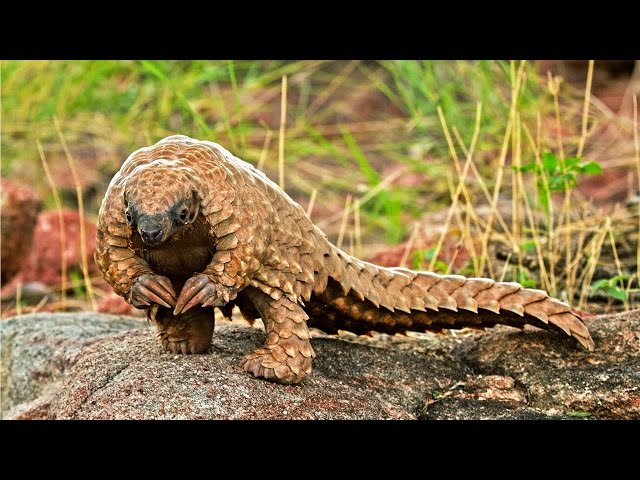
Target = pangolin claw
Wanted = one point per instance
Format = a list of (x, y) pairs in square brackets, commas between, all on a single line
[(199, 289), (149, 288)]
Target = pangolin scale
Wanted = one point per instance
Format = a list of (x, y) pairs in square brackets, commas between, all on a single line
[(187, 216)]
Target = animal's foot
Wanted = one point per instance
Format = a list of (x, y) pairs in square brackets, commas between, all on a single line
[(184, 346), (189, 333), (151, 289), (287, 354), (273, 363)]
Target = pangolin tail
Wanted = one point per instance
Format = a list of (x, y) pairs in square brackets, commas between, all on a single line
[(361, 297)]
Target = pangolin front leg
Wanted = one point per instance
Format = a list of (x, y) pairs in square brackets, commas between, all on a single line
[(220, 282), (201, 289), (150, 288), (287, 354)]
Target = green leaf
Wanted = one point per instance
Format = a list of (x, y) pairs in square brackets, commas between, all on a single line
[(550, 162), (590, 168), (77, 281), (577, 413), (527, 167), (544, 197), (523, 278), (571, 162), (416, 260), (562, 182), (152, 68), (555, 185), (609, 286), (439, 265), (617, 278), (528, 246), (569, 180), (599, 284), (617, 293)]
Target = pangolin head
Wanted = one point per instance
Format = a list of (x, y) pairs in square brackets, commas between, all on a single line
[(160, 200)]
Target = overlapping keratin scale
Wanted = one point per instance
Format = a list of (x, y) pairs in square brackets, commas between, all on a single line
[(408, 298), (426, 301), (267, 237), (241, 202)]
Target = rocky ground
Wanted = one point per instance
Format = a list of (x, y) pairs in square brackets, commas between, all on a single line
[(89, 365)]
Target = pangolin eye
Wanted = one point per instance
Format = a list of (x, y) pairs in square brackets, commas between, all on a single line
[(128, 215), (184, 214)]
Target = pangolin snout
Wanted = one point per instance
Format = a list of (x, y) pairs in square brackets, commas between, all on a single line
[(151, 234)]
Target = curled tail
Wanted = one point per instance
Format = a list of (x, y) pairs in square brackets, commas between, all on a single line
[(354, 293)]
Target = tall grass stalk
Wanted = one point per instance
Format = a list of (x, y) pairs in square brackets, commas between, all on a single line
[(283, 122), (83, 229), (461, 182), (636, 145), (516, 82), (63, 239), (617, 261), (356, 225), (345, 219)]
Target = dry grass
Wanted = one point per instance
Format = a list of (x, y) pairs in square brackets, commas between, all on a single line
[(463, 130), (63, 237), (84, 258)]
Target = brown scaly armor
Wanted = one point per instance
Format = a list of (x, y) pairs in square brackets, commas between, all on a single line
[(185, 226)]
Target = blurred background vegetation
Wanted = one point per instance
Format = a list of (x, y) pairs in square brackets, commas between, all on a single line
[(468, 163)]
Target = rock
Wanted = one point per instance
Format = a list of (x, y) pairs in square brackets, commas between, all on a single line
[(36, 350), (499, 374), (114, 303), (43, 265), (139, 382), (19, 209), (557, 381), (40, 275)]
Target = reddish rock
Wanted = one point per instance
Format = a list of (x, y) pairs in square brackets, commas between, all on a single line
[(138, 381), (113, 303), (19, 209), (602, 384), (44, 263)]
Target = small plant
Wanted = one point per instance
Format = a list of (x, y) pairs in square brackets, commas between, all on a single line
[(523, 278), (422, 257), (557, 175), (613, 287), (77, 283), (528, 246)]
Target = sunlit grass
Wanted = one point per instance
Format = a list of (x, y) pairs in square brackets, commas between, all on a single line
[(352, 135)]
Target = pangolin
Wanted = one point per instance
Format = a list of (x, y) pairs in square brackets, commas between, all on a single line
[(185, 226)]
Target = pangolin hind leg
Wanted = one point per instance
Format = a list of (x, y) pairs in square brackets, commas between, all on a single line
[(188, 332), (287, 354)]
